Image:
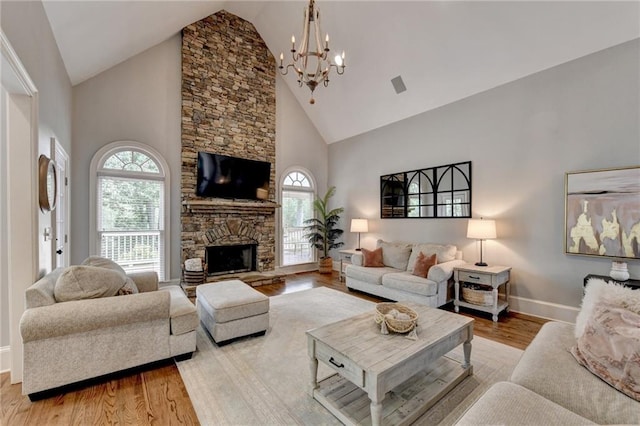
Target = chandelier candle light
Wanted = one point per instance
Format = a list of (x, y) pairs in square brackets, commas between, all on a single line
[(480, 229), (359, 225), (312, 66)]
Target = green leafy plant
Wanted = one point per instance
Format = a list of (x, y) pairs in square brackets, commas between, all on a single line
[(322, 230)]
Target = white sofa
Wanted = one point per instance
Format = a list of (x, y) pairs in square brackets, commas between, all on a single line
[(548, 387), (599, 385), (395, 281)]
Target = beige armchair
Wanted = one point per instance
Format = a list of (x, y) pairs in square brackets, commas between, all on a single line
[(68, 342)]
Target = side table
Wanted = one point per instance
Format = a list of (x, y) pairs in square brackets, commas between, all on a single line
[(345, 259), (633, 283), (493, 276)]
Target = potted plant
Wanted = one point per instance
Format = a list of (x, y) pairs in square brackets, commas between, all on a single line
[(322, 230)]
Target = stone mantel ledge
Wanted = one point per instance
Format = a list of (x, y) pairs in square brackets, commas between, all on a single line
[(231, 206)]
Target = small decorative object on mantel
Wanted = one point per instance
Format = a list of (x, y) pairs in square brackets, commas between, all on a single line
[(619, 271), (398, 318)]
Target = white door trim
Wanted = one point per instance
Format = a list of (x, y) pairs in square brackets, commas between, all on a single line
[(61, 160), (22, 147)]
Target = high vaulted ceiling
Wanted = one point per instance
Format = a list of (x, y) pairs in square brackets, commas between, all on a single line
[(444, 51)]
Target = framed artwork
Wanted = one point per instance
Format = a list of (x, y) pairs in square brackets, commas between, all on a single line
[(602, 213)]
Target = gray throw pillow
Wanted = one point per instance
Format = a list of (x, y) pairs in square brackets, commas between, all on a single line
[(103, 262), (87, 282), (395, 255)]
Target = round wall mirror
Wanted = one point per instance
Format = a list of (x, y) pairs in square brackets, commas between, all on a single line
[(47, 183)]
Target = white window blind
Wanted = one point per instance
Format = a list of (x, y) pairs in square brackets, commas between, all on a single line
[(130, 221)]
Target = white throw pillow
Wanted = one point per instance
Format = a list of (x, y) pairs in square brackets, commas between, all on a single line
[(599, 291), (444, 253)]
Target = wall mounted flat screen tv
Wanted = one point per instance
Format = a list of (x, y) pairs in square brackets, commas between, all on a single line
[(223, 176)]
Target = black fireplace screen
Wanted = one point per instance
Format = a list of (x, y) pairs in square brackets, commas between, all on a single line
[(231, 259)]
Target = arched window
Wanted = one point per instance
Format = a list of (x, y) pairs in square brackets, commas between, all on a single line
[(129, 191), (297, 195)]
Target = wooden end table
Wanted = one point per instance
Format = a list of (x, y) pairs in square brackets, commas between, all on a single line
[(388, 378), (493, 276)]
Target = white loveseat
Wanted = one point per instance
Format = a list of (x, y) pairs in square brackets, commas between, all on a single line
[(395, 281)]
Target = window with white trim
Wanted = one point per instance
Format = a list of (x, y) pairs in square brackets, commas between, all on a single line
[(297, 195), (131, 185)]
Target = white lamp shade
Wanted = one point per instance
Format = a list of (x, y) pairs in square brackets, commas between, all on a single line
[(359, 225), (481, 229)]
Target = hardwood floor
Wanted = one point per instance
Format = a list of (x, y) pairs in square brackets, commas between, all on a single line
[(156, 395)]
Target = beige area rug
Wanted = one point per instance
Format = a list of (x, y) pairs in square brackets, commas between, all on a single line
[(265, 380)]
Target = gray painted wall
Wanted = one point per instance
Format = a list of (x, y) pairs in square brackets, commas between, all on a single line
[(298, 143), (140, 99), (521, 137), (27, 29)]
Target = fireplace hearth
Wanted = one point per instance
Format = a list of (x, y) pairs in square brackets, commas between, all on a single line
[(231, 259)]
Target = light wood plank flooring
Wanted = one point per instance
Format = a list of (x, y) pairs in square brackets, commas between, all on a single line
[(157, 395)]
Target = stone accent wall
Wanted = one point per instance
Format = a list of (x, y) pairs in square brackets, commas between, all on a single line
[(229, 108)]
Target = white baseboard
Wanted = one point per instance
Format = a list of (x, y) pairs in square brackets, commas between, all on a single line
[(175, 281), (537, 308), (5, 359)]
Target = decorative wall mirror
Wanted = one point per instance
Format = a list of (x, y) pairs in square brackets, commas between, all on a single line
[(435, 192), (47, 183)]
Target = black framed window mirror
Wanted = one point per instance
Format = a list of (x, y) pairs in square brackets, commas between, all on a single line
[(435, 192)]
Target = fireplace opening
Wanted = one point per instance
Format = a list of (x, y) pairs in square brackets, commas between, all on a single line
[(231, 259)]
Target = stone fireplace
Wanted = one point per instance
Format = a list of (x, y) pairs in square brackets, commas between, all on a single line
[(228, 108)]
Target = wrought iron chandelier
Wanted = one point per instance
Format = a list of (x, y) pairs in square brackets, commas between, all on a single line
[(312, 66)]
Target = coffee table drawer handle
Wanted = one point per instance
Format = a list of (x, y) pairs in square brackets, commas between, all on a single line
[(331, 360), (474, 278)]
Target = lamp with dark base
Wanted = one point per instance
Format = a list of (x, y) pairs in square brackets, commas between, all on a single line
[(480, 229)]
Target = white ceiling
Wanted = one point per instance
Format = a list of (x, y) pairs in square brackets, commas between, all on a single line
[(444, 51)]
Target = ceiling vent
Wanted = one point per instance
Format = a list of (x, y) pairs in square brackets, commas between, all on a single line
[(398, 84)]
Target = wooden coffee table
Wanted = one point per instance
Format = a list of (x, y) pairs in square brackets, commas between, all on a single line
[(388, 379)]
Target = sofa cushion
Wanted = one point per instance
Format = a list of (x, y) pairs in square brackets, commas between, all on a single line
[(368, 275), (103, 262), (610, 348), (395, 255), (408, 282), (372, 258), (87, 282), (444, 253), (507, 403), (423, 264), (548, 369)]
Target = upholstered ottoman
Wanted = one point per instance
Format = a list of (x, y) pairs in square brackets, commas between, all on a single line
[(231, 309)]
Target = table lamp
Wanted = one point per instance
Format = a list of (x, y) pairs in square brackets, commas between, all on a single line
[(359, 225), (480, 229)]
